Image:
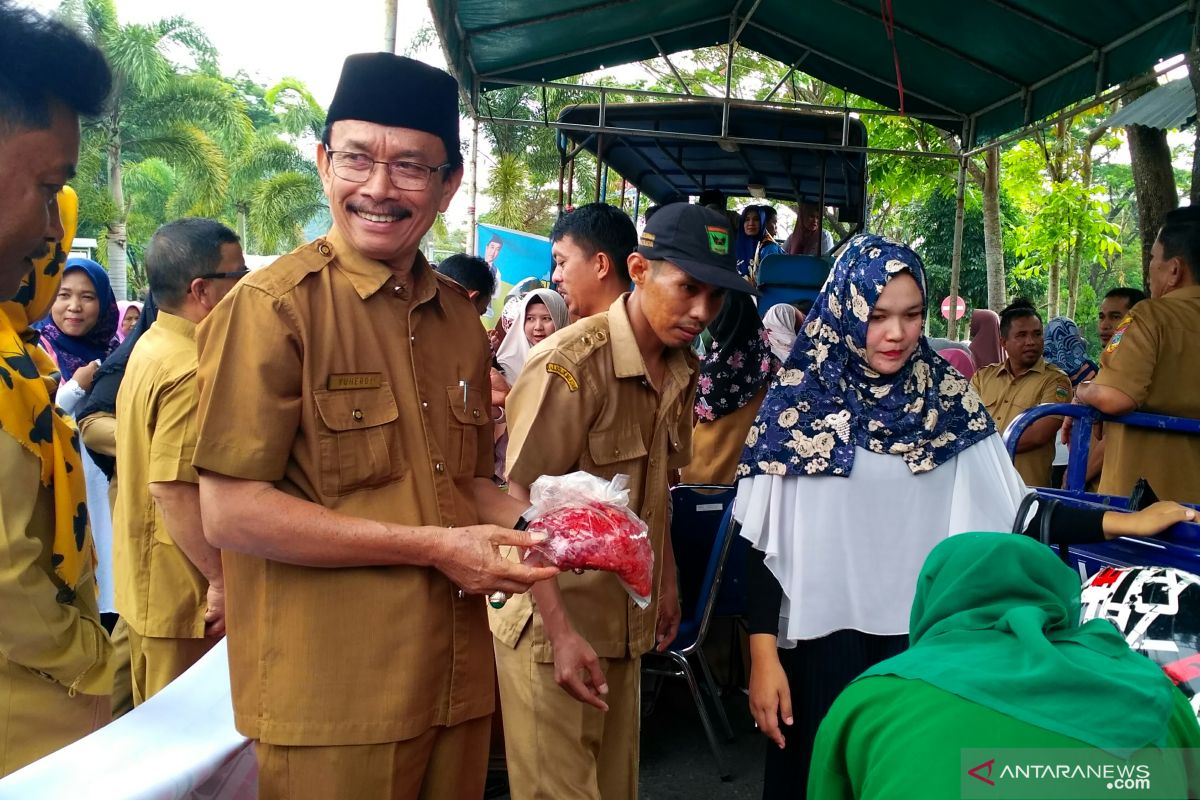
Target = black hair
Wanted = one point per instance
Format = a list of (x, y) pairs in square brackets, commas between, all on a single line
[(42, 61), (713, 197), (1021, 308), (1129, 294), (496, 239), (1180, 237), (181, 251), (770, 212), (651, 211), (470, 272), (600, 228)]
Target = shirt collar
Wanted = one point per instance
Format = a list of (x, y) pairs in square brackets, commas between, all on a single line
[(1040, 366), (368, 276), (176, 324), (627, 357)]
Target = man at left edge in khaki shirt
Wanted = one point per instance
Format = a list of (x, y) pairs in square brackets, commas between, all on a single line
[(343, 431), (169, 587), (1024, 380), (55, 658)]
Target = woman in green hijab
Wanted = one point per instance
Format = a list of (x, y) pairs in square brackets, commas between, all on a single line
[(997, 659)]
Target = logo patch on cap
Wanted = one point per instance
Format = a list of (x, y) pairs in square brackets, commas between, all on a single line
[(646, 239), (718, 240)]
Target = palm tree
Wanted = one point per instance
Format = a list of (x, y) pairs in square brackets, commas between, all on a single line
[(158, 110), (274, 192)]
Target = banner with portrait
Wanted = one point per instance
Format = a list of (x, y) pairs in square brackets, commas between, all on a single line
[(516, 258)]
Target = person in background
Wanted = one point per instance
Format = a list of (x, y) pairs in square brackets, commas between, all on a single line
[(540, 313), (98, 429), (170, 588), (55, 670), (734, 374), (1066, 349), (1113, 310), (345, 463), (611, 394), (985, 338), (1150, 364), (749, 235), (1023, 380), (714, 199), (591, 246), (809, 239), (649, 213), (474, 275), (767, 245), (128, 314), (78, 335), (997, 659), (782, 322)]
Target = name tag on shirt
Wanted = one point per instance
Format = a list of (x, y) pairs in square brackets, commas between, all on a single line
[(355, 380)]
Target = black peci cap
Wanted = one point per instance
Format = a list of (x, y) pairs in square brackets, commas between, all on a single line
[(696, 239), (401, 93)]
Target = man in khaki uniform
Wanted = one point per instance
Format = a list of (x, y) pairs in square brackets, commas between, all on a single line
[(55, 673), (345, 460), (169, 588), (591, 246), (1151, 364), (1020, 382), (611, 394)]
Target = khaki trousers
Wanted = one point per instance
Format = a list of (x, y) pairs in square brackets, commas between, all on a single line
[(155, 661), (558, 748), (122, 698), (38, 716), (440, 764)]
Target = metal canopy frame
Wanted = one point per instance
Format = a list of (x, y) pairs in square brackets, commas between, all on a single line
[(962, 125)]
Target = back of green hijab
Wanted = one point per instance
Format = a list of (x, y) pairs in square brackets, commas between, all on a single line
[(995, 621)]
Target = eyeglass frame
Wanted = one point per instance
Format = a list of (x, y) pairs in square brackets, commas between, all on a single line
[(387, 169), (236, 273)]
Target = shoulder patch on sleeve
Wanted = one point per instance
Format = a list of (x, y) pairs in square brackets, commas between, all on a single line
[(565, 374), (1062, 394)]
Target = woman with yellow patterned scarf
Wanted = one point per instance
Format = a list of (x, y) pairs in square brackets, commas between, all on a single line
[(55, 672)]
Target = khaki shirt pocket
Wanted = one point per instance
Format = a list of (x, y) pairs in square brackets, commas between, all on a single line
[(360, 441), (465, 423), (614, 445)]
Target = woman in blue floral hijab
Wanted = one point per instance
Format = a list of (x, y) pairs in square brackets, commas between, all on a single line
[(1067, 349), (867, 451)]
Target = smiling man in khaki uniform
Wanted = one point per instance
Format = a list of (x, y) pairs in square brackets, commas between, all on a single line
[(55, 658), (1024, 380), (169, 588), (345, 458), (1152, 364), (611, 394)]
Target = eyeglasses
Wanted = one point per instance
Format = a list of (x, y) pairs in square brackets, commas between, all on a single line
[(405, 175), (235, 274)]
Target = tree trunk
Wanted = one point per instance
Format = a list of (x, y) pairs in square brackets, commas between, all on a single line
[(116, 228), (1194, 76), (1153, 183), (1073, 265), (956, 259), (389, 26), (1052, 288), (993, 235), (242, 228)]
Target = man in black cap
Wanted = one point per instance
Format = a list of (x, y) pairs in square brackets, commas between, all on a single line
[(611, 394), (345, 462)]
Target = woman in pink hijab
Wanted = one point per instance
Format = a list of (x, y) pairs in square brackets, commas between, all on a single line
[(128, 312), (985, 338)]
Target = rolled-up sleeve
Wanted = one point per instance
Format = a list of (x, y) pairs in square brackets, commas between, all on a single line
[(38, 632)]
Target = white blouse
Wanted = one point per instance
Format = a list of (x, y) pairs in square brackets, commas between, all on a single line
[(847, 551)]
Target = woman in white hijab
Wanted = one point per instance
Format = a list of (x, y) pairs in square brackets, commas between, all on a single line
[(541, 313), (782, 321)]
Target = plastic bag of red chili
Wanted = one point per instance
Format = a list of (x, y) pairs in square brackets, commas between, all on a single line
[(588, 525)]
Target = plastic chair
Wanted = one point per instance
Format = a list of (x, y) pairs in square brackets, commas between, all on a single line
[(694, 627)]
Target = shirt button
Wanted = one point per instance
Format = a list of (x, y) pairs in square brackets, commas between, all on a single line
[(357, 414), (412, 338), (616, 451), (475, 413), (324, 249), (424, 404), (439, 467)]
